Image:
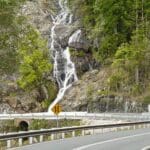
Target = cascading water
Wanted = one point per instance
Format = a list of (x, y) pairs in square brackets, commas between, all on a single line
[(64, 68)]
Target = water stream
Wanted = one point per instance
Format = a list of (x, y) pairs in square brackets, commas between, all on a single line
[(64, 69)]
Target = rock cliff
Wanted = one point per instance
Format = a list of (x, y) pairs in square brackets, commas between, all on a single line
[(38, 13), (91, 94)]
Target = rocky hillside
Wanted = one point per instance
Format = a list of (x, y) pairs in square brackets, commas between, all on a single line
[(119, 40), (37, 14), (111, 54)]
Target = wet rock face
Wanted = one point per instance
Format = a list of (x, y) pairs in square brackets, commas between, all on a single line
[(63, 32), (78, 40), (85, 64), (69, 36)]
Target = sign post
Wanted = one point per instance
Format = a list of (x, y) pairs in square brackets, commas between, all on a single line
[(56, 110)]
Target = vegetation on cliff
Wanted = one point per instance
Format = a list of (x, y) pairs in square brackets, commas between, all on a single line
[(10, 27), (120, 35), (23, 51)]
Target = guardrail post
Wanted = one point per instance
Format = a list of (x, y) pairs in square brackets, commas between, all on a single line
[(134, 127), (63, 135), (93, 131), (20, 141), (41, 138), (52, 136), (73, 134), (83, 132), (8, 143), (128, 127), (30, 140)]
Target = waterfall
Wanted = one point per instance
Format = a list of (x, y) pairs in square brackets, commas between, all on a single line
[(64, 69), (75, 37)]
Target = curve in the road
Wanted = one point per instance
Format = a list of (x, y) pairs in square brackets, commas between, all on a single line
[(109, 141), (122, 140)]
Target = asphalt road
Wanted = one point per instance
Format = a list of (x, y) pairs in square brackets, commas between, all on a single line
[(122, 140)]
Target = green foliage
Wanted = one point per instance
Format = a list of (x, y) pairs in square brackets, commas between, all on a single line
[(8, 12), (146, 100), (77, 53), (120, 31), (22, 48), (96, 56), (136, 89), (116, 80), (8, 126), (46, 124), (111, 22), (52, 93), (89, 91), (35, 63), (117, 24), (38, 124), (45, 104), (103, 92), (10, 28), (133, 59)]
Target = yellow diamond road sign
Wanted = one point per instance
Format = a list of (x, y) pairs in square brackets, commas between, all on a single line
[(56, 109)]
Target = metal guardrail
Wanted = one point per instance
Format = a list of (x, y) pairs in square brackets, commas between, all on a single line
[(67, 129), (31, 134), (78, 115)]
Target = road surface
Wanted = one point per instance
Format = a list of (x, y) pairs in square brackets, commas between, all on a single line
[(122, 140)]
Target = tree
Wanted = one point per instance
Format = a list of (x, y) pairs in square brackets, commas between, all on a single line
[(35, 62), (10, 27), (132, 58), (115, 20), (8, 12)]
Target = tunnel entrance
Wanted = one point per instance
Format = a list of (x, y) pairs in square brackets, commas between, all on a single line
[(23, 126)]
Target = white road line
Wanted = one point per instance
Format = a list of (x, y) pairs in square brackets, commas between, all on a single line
[(146, 148), (112, 140)]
